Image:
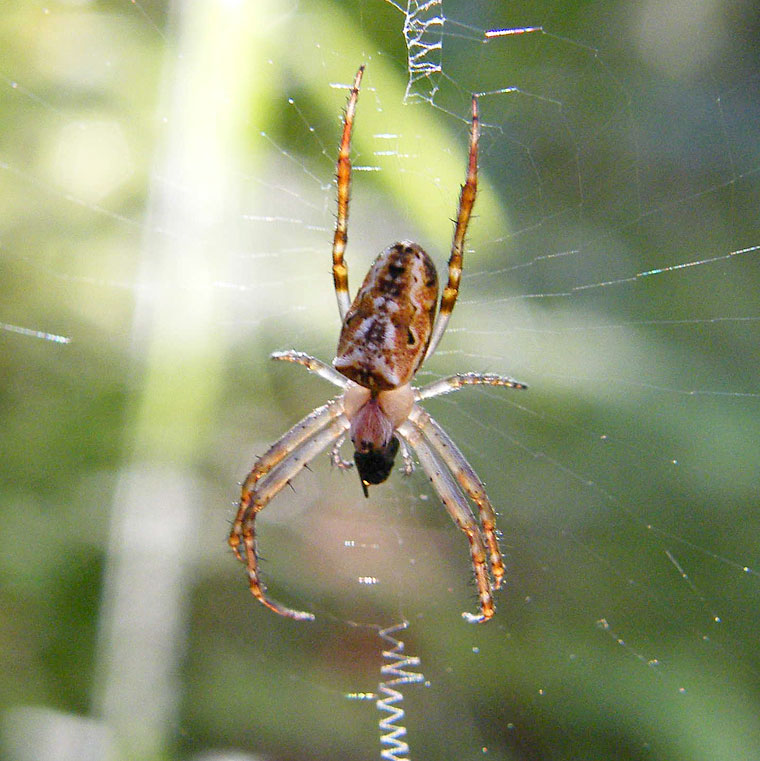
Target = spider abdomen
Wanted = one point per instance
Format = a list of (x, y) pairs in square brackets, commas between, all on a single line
[(387, 329)]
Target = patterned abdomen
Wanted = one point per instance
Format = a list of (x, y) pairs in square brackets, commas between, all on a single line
[(387, 329)]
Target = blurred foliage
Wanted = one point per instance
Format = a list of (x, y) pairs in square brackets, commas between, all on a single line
[(619, 193)]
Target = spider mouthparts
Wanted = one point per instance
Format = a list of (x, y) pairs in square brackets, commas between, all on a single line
[(375, 465)]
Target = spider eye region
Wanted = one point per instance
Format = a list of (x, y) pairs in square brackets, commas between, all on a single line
[(375, 465)]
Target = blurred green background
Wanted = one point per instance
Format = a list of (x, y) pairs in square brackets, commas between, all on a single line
[(167, 203)]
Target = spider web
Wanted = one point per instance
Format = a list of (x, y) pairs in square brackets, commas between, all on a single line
[(169, 204)]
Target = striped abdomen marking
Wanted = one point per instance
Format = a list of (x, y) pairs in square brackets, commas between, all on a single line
[(387, 329)]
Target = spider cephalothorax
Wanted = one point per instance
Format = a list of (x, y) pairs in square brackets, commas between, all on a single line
[(387, 333)]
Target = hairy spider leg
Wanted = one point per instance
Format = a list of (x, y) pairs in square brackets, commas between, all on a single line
[(265, 490), (407, 458), (279, 451), (340, 270), (453, 457), (468, 479), (466, 202), (457, 507), (313, 365), (460, 380), (328, 373)]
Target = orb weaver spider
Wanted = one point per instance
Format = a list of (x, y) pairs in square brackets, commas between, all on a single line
[(387, 332)]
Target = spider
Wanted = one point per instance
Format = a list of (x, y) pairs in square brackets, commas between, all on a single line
[(387, 332)]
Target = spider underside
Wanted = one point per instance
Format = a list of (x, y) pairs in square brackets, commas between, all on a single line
[(387, 332)]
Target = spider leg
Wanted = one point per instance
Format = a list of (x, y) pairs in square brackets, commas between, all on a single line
[(336, 460), (460, 380), (466, 202), (280, 450), (257, 498), (340, 271), (468, 479), (459, 510), (313, 365), (406, 456)]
